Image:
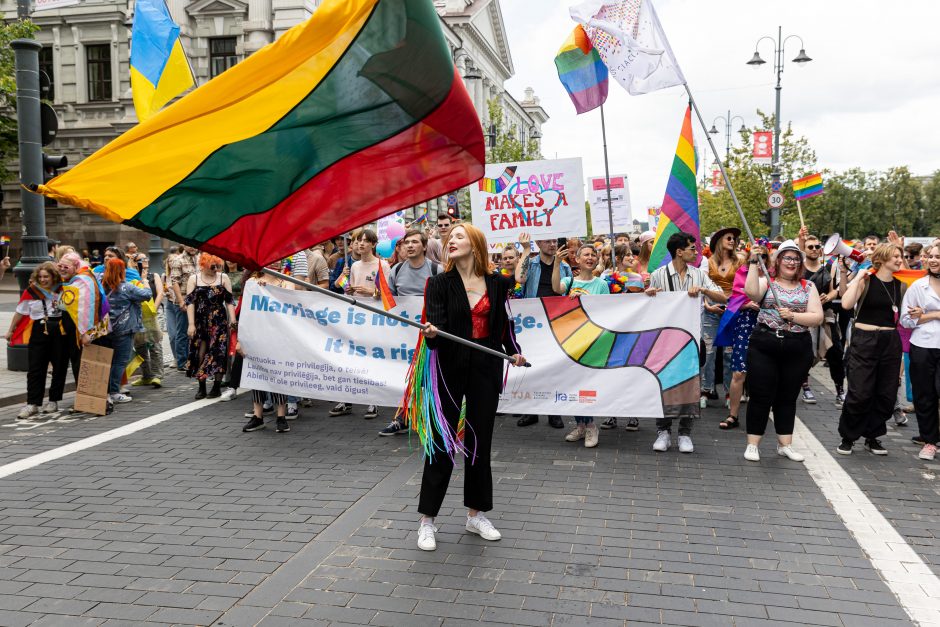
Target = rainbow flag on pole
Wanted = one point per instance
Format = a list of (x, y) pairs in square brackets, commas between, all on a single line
[(582, 71), (680, 205), (350, 116), (807, 187)]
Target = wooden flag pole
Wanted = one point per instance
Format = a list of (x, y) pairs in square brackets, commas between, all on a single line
[(413, 323), (734, 197), (800, 211)]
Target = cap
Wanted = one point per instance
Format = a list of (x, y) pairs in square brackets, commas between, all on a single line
[(646, 236)]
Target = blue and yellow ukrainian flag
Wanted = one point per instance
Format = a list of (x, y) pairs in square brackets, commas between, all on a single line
[(159, 69)]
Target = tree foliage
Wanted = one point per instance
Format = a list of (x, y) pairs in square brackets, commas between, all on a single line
[(21, 29), (509, 147), (855, 203)]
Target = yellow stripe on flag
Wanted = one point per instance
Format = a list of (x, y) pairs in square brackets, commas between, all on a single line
[(686, 153)]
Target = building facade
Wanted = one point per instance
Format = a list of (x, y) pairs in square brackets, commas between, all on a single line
[(86, 52)]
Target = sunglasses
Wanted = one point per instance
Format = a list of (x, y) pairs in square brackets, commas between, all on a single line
[(814, 246)]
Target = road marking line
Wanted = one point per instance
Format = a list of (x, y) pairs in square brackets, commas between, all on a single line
[(909, 578), (41, 458)]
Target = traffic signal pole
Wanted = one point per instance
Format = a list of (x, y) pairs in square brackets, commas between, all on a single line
[(33, 211)]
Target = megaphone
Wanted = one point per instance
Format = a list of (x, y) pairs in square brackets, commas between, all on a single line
[(835, 246)]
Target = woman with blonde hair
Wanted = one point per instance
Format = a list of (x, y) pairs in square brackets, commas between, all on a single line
[(469, 301), (211, 312), (873, 358)]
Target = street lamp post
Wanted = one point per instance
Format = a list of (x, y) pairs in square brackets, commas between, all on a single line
[(757, 61), (727, 120)]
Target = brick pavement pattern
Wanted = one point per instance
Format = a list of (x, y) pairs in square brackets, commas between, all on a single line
[(192, 522)]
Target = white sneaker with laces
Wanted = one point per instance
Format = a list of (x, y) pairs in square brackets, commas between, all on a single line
[(50, 407), (788, 452), (752, 453), (228, 394), (481, 526), (575, 434), (685, 444), (426, 541), (120, 398), (663, 441), (27, 411)]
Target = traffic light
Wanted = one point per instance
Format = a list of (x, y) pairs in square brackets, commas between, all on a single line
[(765, 216), (51, 164)]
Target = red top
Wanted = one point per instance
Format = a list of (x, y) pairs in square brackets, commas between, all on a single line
[(480, 315)]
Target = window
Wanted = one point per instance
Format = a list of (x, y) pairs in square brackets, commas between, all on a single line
[(221, 55), (98, 62), (46, 67)]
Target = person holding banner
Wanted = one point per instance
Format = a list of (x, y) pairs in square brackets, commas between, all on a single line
[(780, 352), (680, 275), (921, 312), (574, 287), (873, 358), (470, 302)]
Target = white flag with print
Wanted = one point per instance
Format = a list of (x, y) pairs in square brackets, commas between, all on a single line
[(630, 40)]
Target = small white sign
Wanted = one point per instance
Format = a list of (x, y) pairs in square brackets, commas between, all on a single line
[(775, 200), (44, 5)]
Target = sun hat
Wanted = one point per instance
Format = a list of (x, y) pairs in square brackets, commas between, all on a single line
[(720, 233)]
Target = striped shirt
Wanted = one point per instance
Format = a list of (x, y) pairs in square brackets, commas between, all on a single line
[(694, 277)]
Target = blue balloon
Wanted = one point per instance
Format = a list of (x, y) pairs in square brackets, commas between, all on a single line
[(386, 248)]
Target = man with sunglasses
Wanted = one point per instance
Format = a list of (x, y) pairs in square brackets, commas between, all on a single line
[(819, 273)]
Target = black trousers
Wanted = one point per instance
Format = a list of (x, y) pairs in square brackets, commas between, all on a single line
[(873, 363), (834, 356), (776, 369), (47, 345), (479, 385), (73, 346), (925, 383)]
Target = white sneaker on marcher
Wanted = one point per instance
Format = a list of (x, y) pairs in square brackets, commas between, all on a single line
[(752, 453), (685, 444), (120, 398), (481, 526), (50, 407), (788, 452), (27, 411), (575, 434), (426, 541), (663, 441), (228, 394)]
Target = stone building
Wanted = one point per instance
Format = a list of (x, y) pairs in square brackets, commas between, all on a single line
[(86, 50)]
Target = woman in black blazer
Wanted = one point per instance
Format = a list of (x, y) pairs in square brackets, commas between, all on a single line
[(468, 301)]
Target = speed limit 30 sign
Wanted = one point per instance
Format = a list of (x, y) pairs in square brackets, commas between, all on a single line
[(775, 200)]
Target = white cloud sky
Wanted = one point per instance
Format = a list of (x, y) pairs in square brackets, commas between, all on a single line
[(869, 98)]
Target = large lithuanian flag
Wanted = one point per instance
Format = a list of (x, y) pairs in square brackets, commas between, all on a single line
[(352, 115)]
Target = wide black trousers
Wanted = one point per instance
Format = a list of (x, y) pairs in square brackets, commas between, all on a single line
[(47, 345), (776, 369), (873, 368), (925, 383), (479, 385)]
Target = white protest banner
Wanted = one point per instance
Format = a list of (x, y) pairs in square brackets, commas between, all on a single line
[(43, 5), (542, 198), (597, 356), (619, 202)]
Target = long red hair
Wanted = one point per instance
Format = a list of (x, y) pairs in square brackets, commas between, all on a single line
[(478, 248), (114, 274)]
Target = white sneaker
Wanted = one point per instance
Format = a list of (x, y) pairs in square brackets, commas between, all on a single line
[(591, 436), (228, 394), (27, 411), (426, 541), (575, 434), (703, 401), (120, 398), (752, 453), (50, 407), (685, 444), (481, 526), (789, 453), (663, 441)]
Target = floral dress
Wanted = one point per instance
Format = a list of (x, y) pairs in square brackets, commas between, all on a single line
[(208, 348)]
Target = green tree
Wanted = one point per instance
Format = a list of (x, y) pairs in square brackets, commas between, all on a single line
[(508, 147), (21, 29), (931, 213)]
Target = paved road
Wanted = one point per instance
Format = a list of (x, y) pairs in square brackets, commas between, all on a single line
[(191, 522)]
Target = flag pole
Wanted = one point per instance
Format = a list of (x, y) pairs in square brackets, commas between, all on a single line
[(357, 303), (610, 206), (800, 211), (734, 197)]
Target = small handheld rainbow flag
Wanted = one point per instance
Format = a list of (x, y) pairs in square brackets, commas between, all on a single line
[(342, 282), (4, 240), (807, 186), (388, 299)]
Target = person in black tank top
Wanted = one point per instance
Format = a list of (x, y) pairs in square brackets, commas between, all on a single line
[(873, 359)]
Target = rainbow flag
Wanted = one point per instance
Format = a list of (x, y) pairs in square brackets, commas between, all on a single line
[(388, 299), (909, 276), (724, 335), (496, 186), (350, 116), (582, 71), (4, 240), (808, 186), (680, 205)]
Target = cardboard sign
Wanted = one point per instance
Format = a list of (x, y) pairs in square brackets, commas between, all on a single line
[(91, 394)]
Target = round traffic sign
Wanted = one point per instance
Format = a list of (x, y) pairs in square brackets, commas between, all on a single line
[(775, 200)]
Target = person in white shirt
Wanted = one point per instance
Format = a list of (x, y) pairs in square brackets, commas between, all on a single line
[(680, 275), (920, 311)]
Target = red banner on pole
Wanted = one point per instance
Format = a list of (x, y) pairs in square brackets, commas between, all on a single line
[(763, 147)]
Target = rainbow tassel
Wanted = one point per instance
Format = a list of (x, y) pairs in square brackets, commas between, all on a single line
[(421, 408)]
